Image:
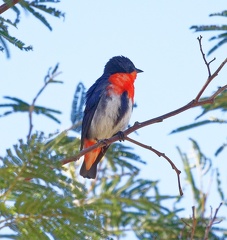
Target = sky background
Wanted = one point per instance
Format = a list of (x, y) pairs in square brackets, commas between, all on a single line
[(155, 35)]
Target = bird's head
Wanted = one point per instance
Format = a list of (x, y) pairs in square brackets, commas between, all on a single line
[(120, 64)]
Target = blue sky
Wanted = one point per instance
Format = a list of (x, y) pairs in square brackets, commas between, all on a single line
[(155, 35)]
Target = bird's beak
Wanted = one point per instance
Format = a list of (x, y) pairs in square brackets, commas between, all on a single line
[(138, 70)]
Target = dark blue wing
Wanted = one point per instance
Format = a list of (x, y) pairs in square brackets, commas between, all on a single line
[(93, 97)]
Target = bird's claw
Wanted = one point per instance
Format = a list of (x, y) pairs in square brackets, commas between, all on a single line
[(103, 141), (121, 136)]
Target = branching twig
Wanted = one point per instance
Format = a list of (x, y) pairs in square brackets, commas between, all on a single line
[(137, 125), (178, 172), (210, 77), (212, 222), (32, 106), (204, 58)]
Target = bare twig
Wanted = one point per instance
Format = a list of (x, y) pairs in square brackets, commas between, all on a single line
[(212, 222), (178, 172), (203, 55), (210, 77), (186, 224), (194, 223), (193, 226), (32, 106)]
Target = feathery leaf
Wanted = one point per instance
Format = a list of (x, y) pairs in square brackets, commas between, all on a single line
[(77, 107)]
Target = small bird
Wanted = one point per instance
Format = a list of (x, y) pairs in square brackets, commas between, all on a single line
[(109, 103)]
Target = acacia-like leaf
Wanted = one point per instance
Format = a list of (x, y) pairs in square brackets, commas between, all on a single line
[(77, 106), (219, 187), (221, 14), (21, 106), (222, 37), (203, 28), (222, 42), (48, 10), (219, 103), (15, 41), (29, 6), (37, 15), (190, 176), (220, 149), (197, 124)]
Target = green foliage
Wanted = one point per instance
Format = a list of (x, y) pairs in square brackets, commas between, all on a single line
[(203, 165), (49, 10), (222, 38), (220, 103), (31, 6), (19, 105), (220, 149), (199, 170), (38, 198), (41, 198), (198, 124), (36, 8), (33, 177), (6, 37)]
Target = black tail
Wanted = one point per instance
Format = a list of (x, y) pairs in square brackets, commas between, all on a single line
[(91, 173)]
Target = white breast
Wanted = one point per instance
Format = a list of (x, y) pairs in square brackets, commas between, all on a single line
[(103, 124)]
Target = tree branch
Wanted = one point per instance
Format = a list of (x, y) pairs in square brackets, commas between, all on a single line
[(210, 77), (194, 223), (203, 55), (212, 222), (32, 106), (178, 172), (4, 7), (137, 125)]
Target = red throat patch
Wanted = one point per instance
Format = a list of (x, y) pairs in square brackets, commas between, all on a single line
[(122, 82)]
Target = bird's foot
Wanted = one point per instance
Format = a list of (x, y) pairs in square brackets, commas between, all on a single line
[(103, 141), (121, 136)]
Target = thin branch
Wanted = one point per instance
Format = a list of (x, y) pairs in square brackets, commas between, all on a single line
[(4, 7), (194, 223), (32, 106), (138, 125), (210, 77), (187, 224), (178, 172), (212, 222), (203, 55), (87, 150)]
